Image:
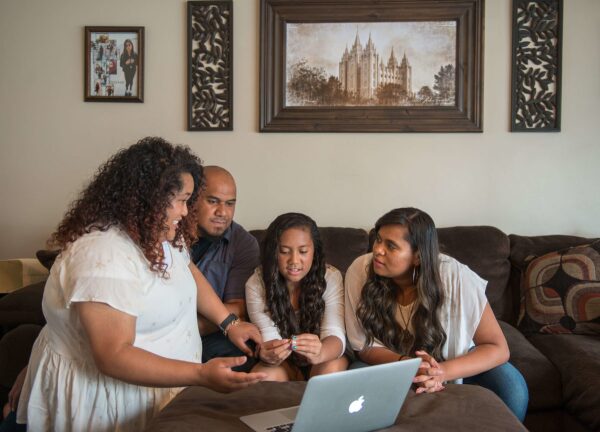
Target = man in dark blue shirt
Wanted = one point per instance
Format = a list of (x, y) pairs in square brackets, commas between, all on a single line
[(226, 254)]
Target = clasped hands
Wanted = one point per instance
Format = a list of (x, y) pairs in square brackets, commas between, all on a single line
[(430, 376), (307, 345)]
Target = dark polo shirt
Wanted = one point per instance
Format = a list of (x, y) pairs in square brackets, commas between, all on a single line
[(228, 261)]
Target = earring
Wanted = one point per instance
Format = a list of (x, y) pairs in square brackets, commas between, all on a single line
[(415, 275)]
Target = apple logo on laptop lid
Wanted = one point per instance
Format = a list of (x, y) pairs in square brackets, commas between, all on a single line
[(356, 405)]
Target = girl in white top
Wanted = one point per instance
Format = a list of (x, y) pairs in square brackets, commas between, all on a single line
[(297, 301), (121, 337), (406, 299)]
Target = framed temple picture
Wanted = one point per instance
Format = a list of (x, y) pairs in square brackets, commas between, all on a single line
[(371, 66), (114, 64)]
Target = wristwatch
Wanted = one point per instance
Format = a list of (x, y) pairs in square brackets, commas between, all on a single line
[(231, 319)]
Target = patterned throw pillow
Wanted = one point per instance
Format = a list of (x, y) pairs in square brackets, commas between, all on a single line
[(561, 292)]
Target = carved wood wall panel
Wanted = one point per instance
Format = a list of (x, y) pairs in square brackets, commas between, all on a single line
[(210, 65), (536, 65)]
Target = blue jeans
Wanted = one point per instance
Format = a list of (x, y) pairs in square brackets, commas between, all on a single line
[(9, 424), (504, 380), (508, 384), (218, 345)]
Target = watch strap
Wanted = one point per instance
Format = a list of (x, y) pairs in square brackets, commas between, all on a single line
[(227, 321)]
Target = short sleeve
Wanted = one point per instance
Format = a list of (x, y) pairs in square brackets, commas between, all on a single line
[(105, 267), (245, 259), (463, 306)]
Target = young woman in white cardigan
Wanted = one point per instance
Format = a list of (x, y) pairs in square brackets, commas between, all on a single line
[(297, 302)]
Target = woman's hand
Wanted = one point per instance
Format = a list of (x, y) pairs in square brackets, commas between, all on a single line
[(242, 332), (309, 346), (430, 376), (217, 375), (275, 351)]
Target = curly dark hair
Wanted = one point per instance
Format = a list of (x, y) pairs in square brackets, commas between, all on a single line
[(312, 286), (132, 190), (378, 303)]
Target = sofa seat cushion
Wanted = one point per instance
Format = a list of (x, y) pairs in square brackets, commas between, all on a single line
[(542, 377), (15, 347), (577, 357), (23, 306)]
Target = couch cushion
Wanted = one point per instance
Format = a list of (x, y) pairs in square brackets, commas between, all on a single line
[(542, 377), (23, 306), (485, 250), (47, 257), (577, 357), (523, 249), (342, 245), (15, 348), (561, 292)]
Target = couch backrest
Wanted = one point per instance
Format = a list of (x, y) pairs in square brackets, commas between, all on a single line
[(342, 245), (485, 250)]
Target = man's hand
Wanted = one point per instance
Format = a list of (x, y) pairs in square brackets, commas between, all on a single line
[(239, 333), (275, 351), (217, 375), (430, 376)]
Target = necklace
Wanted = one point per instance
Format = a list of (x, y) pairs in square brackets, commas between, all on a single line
[(406, 320)]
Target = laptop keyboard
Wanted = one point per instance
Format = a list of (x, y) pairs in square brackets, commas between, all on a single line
[(281, 428)]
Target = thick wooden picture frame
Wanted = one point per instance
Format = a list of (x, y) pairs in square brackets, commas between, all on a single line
[(465, 114), (210, 65), (114, 64)]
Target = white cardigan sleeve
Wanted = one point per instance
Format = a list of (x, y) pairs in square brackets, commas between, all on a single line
[(356, 277), (332, 323), (257, 307)]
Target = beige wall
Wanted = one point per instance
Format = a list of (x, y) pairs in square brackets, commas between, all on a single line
[(51, 141)]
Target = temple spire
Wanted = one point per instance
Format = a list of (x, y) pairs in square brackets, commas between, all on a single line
[(356, 39), (392, 62)]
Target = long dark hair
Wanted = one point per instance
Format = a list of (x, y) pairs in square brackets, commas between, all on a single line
[(125, 48), (133, 190), (312, 286), (378, 303)]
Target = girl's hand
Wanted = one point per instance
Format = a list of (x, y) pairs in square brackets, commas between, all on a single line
[(274, 352), (430, 376), (309, 346)]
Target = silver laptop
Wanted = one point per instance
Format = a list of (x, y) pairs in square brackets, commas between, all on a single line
[(357, 400)]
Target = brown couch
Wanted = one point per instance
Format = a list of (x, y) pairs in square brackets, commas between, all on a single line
[(561, 370)]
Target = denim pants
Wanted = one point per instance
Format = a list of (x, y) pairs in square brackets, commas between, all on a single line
[(9, 424), (508, 384), (218, 345), (504, 380)]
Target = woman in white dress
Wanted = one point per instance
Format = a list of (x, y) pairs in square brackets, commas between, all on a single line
[(121, 338), (408, 300), (297, 302)]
